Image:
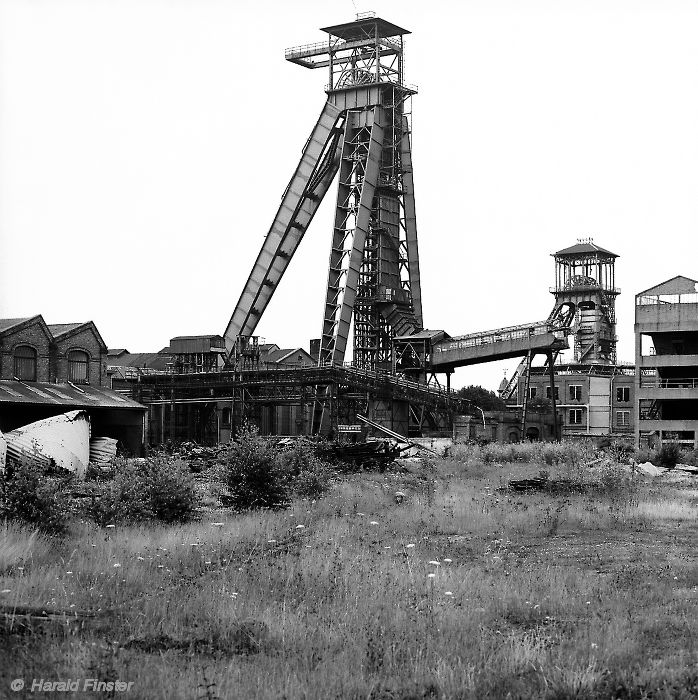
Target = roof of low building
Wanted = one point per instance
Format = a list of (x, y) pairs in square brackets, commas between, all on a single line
[(676, 285), (151, 360), (585, 248), (281, 354), (7, 323), (58, 329), (69, 395)]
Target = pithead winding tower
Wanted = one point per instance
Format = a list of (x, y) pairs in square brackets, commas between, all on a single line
[(363, 134)]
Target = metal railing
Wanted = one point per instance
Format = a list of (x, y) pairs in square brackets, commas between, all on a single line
[(655, 300), (499, 335), (672, 383)]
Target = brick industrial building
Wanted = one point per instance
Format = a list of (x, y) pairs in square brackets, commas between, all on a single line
[(46, 370)]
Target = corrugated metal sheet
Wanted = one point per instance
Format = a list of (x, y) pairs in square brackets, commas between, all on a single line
[(61, 440), (68, 395), (102, 450), (3, 452)]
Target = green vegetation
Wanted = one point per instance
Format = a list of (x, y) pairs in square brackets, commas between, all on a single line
[(482, 398), (465, 589)]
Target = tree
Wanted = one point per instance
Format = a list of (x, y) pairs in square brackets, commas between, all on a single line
[(482, 398)]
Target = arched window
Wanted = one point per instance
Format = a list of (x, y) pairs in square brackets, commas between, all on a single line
[(25, 363), (78, 367)]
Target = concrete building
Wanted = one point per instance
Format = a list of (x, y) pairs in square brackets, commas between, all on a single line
[(666, 355), (46, 370), (591, 399)]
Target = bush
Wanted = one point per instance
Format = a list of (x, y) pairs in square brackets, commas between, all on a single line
[(159, 489), (29, 496), (668, 455), (260, 474), (308, 475), (254, 477)]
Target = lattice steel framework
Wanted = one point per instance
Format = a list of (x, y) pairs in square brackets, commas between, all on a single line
[(364, 135)]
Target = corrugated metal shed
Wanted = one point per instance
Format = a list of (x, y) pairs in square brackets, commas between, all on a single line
[(69, 395)]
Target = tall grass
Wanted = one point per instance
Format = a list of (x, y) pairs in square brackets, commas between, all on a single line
[(531, 595)]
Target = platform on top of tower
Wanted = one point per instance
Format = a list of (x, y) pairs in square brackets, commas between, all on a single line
[(584, 247), (365, 27)]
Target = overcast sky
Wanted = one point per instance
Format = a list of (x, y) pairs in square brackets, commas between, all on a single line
[(145, 145)]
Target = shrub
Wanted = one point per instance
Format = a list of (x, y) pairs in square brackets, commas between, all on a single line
[(253, 475), (260, 474), (668, 455), (308, 475), (29, 496), (159, 489)]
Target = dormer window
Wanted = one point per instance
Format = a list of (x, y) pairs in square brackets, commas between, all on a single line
[(78, 367), (25, 363)]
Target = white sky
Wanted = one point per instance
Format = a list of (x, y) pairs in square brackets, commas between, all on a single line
[(145, 144)]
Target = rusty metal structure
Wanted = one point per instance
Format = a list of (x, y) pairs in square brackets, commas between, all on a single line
[(362, 137), (373, 300)]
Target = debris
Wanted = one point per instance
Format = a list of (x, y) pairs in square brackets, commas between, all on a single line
[(378, 454), (535, 484), (399, 497), (649, 469), (3, 452), (244, 638), (61, 441)]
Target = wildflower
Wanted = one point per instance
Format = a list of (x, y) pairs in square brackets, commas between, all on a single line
[(594, 646), (433, 562), (448, 593), (111, 526), (161, 566), (300, 527), (271, 541), (431, 575), (373, 522), (68, 572), (6, 590), (217, 524), (141, 559), (207, 562), (387, 547), (117, 565), (359, 513), (448, 561), (409, 545)]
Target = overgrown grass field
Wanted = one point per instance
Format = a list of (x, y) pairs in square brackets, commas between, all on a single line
[(463, 590)]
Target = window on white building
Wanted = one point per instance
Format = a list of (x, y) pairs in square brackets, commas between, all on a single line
[(622, 419), (576, 416)]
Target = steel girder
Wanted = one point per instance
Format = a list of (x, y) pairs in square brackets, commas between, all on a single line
[(359, 170), (309, 184), (410, 223)]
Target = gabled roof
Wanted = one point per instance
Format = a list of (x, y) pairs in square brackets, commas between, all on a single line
[(16, 324), (58, 329), (115, 352), (281, 354), (7, 323), (61, 331), (267, 347), (584, 249), (676, 285)]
